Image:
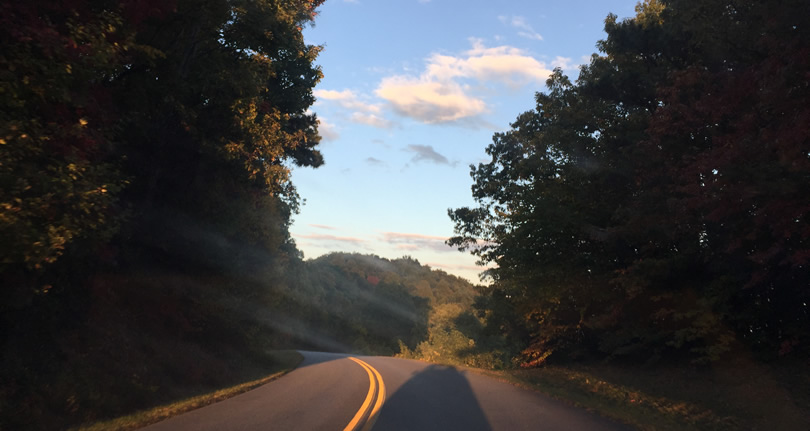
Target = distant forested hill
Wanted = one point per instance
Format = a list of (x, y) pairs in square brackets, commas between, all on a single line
[(365, 303), (434, 285), (368, 304)]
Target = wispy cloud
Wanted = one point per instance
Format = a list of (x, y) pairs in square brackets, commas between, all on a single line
[(505, 64), (374, 162), (334, 94), (441, 94), (323, 226), (362, 112), (415, 241), (347, 99), (327, 130), (394, 236), (524, 29), (565, 63), (427, 153), (371, 120), (329, 238), (455, 266)]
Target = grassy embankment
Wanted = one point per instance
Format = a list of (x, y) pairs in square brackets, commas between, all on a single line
[(285, 361), (741, 395)]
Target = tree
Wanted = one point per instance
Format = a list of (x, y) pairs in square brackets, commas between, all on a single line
[(634, 212), (145, 149), (159, 110), (58, 124), (741, 109)]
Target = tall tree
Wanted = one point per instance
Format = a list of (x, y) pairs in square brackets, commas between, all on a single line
[(738, 115)]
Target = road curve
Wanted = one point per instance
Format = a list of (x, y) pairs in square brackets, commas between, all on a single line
[(327, 391)]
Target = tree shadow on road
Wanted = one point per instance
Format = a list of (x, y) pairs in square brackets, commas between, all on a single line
[(438, 398)]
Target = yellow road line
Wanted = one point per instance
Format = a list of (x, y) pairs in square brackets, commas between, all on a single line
[(367, 414), (380, 400)]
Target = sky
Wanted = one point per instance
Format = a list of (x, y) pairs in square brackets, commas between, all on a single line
[(412, 94)]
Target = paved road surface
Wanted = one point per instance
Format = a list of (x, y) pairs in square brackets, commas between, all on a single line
[(327, 390)]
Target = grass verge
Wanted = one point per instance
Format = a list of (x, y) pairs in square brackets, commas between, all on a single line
[(738, 396), (285, 360)]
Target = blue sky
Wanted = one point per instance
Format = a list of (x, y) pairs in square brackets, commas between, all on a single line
[(412, 94)]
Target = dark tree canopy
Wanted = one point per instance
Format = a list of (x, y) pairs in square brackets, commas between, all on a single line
[(658, 204), (145, 198), (124, 112)]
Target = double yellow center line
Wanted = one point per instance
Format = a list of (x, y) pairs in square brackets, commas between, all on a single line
[(365, 417)]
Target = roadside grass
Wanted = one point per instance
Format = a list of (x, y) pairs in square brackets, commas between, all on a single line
[(740, 395), (284, 360)]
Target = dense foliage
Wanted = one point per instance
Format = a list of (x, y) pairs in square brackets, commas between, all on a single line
[(658, 205), (182, 102), (144, 161)]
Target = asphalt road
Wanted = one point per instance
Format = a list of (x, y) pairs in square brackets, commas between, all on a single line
[(327, 391)]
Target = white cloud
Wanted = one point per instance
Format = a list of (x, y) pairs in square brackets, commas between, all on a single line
[(439, 95), (429, 100)]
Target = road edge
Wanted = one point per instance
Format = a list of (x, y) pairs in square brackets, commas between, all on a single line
[(289, 359)]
